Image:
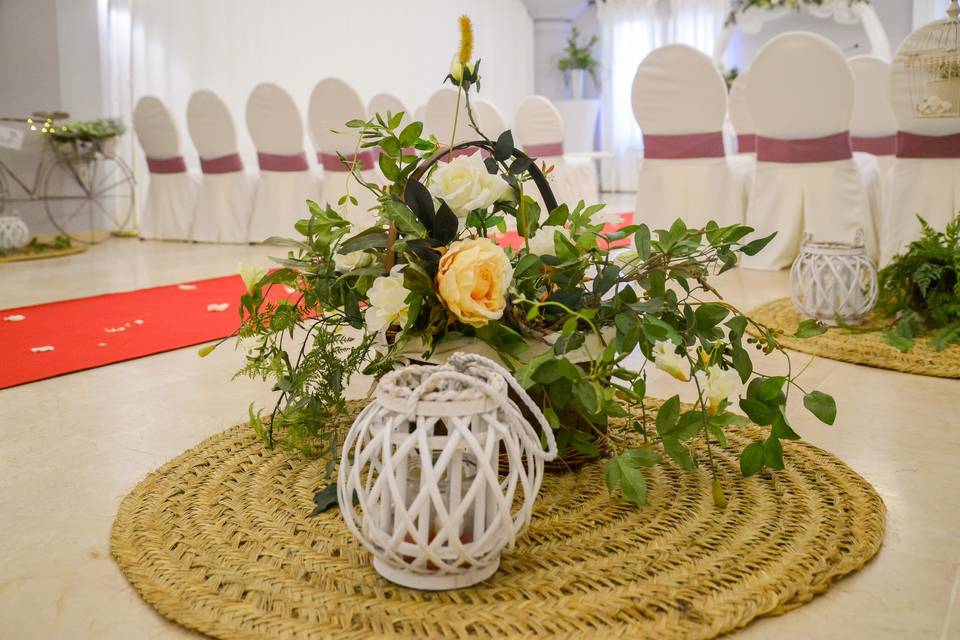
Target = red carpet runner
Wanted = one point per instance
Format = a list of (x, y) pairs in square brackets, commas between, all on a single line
[(48, 340)]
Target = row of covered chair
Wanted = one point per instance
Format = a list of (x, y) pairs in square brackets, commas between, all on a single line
[(226, 203), (826, 148)]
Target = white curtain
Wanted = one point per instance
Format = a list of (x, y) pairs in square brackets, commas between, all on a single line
[(697, 22), (629, 30)]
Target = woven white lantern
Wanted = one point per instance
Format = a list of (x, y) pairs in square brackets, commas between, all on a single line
[(932, 54), (831, 280), (434, 504), (13, 232)]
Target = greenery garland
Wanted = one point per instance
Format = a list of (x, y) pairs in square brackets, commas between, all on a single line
[(739, 6)]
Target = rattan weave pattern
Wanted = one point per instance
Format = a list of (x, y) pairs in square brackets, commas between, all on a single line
[(218, 540), (859, 348)]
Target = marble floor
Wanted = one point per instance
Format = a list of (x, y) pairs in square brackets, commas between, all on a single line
[(73, 446)]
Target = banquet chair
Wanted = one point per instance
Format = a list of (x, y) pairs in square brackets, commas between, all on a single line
[(873, 128), (538, 128), (680, 102), (226, 191), (925, 176), (383, 103), (438, 119), (170, 206), (489, 118), (286, 180), (744, 161), (807, 182), (332, 103)]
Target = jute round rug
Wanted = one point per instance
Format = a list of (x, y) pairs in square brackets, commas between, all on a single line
[(868, 348), (41, 254), (218, 540)]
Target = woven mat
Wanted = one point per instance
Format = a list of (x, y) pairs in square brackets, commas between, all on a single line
[(19, 256), (859, 348), (218, 540)]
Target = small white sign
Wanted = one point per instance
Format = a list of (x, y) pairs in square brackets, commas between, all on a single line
[(11, 138)]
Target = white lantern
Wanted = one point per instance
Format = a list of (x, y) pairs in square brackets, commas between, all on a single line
[(834, 280), (14, 233), (421, 483), (932, 55)]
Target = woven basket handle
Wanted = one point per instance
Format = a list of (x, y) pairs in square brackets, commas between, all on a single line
[(540, 180)]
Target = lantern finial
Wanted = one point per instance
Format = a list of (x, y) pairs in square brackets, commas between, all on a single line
[(953, 10)]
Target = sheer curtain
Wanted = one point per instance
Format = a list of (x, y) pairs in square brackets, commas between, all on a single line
[(697, 22), (629, 30)]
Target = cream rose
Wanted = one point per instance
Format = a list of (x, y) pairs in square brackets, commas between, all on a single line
[(542, 243), (388, 302), (473, 279), (464, 184), (345, 262)]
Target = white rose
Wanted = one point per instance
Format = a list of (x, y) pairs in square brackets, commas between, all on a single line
[(251, 275), (344, 262), (718, 385), (542, 243), (666, 358), (464, 184), (388, 302)]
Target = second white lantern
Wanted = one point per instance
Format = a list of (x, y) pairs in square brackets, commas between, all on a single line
[(832, 281)]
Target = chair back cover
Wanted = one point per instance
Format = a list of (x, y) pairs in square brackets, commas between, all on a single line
[(872, 114), (800, 87), (489, 118), (274, 121), (739, 107), (678, 90), (384, 102), (538, 123), (438, 117), (211, 125), (332, 103), (155, 128)]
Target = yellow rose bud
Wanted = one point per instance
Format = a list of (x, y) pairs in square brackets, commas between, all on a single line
[(473, 279)]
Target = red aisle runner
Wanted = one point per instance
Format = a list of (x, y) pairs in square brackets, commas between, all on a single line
[(100, 330), (513, 239)]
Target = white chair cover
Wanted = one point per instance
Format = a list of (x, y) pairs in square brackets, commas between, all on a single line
[(227, 191), (538, 128), (924, 186), (384, 102), (286, 181), (873, 128), (740, 117), (333, 103), (420, 113), (489, 118), (801, 89), (168, 213), (439, 115)]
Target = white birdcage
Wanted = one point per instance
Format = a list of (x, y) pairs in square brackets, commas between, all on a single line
[(833, 281), (422, 482), (932, 56), (14, 233)]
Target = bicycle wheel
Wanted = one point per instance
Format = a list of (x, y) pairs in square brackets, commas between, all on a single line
[(88, 198)]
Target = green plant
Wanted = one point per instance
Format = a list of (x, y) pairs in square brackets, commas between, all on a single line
[(569, 316), (86, 130), (739, 6), (580, 57), (920, 289), (36, 246), (729, 75)]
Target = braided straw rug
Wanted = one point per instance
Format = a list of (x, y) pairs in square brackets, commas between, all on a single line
[(40, 254), (218, 540), (867, 348)]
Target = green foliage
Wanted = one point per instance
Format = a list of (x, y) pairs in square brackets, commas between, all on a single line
[(88, 130), (920, 289), (739, 6), (577, 56), (36, 246)]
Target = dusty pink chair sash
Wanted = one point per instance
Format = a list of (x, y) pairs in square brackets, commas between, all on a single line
[(877, 145), (230, 163), (747, 143), (685, 146), (175, 164), (331, 162), (913, 145), (803, 150), (544, 150), (277, 162)]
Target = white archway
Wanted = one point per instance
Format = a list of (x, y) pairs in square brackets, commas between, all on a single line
[(842, 11)]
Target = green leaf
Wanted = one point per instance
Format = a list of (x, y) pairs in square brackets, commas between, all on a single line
[(759, 412), (643, 457), (324, 499), (946, 336), (403, 217), (896, 340), (821, 405), (742, 362), (623, 474), (641, 239), (678, 453), (751, 459), (504, 147), (590, 396), (389, 167), (782, 428), (754, 247), (668, 414), (773, 453), (710, 315), (410, 134), (809, 329)]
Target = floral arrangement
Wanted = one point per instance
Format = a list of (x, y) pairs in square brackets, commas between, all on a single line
[(85, 130), (580, 57), (920, 289), (572, 318), (739, 6)]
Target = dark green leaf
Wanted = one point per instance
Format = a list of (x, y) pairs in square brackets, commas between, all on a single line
[(773, 453), (420, 202), (668, 414), (710, 315), (754, 247), (809, 329), (758, 412), (751, 459), (504, 147), (821, 405), (324, 499)]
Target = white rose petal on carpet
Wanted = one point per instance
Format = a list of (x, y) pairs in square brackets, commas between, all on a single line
[(15, 318), (114, 329), (138, 322), (41, 349), (186, 287), (101, 344), (223, 306)]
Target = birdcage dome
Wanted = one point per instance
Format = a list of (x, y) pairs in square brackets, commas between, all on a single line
[(931, 55)]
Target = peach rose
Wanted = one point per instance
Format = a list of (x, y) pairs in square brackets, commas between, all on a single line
[(473, 280)]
